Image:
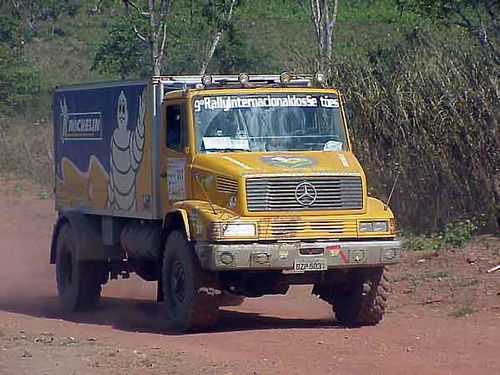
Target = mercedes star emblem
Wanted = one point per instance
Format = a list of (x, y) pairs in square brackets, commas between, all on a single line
[(305, 194)]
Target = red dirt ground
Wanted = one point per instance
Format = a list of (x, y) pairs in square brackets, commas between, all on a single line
[(443, 318)]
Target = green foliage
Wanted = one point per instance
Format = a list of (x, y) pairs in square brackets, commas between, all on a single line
[(121, 52), (190, 31), (457, 234), (448, 9), (9, 29), (423, 243), (31, 13), (234, 55), (20, 80), (478, 17), (215, 12)]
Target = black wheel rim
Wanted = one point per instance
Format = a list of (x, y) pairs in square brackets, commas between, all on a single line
[(178, 283)]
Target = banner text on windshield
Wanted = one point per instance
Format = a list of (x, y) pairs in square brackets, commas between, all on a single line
[(227, 103)]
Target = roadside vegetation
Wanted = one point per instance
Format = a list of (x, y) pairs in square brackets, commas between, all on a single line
[(455, 235), (421, 80), (447, 279)]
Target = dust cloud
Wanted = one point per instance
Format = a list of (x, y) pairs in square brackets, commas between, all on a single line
[(25, 225), (27, 280)]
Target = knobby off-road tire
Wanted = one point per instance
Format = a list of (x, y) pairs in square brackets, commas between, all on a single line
[(191, 294), (78, 282), (363, 301)]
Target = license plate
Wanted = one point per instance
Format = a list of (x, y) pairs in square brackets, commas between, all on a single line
[(312, 264)]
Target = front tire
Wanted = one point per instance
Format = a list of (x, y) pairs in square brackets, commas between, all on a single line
[(191, 294), (362, 300), (78, 282)]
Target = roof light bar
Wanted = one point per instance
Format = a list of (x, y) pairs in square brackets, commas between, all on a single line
[(319, 79), (285, 78), (206, 80), (244, 78)]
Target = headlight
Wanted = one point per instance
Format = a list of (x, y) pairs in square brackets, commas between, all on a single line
[(373, 226), (228, 230), (238, 230), (365, 226), (380, 226)]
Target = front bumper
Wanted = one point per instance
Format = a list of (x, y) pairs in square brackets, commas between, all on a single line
[(283, 255)]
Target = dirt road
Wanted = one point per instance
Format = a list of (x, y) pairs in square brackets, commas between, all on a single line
[(425, 331)]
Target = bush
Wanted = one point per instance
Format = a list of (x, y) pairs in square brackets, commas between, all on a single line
[(19, 81), (9, 27), (121, 52), (457, 234)]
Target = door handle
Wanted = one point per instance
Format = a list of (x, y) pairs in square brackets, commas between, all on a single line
[(163, 175)]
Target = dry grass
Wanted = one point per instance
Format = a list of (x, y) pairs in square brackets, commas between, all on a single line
[(430, 111), (26, 150)]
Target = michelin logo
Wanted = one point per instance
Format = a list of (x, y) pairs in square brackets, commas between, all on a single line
[(80, 126), (126, 155)]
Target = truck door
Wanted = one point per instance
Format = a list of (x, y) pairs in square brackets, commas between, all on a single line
[(175, 159)]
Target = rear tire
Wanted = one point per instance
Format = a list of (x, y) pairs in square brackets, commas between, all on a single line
[(362, 300), (78, 282), (191, 294)]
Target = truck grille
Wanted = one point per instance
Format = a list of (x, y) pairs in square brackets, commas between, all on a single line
[(307, 228), (226, 185), (321, 193)]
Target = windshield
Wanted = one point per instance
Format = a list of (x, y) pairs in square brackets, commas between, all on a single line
[(265, 122)]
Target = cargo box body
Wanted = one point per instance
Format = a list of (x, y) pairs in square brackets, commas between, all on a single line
[(104, 160)]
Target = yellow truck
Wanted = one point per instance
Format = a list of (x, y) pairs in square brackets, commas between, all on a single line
[(216, 187)]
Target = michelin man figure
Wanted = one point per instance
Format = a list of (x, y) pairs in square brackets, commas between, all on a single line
[(126, 156)]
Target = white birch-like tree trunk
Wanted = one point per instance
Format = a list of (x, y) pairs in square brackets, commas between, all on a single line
[(156, 12), (217, 36), (324, 17)]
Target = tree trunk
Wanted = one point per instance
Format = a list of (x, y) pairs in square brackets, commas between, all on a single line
[(153, 40), (217, 37), (211, 52), (157, 29), (483, 34), (324, 24)]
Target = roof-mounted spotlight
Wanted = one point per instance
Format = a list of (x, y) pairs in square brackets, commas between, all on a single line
[(285, 78), (244, 79), (319, 79), (206, 80)]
